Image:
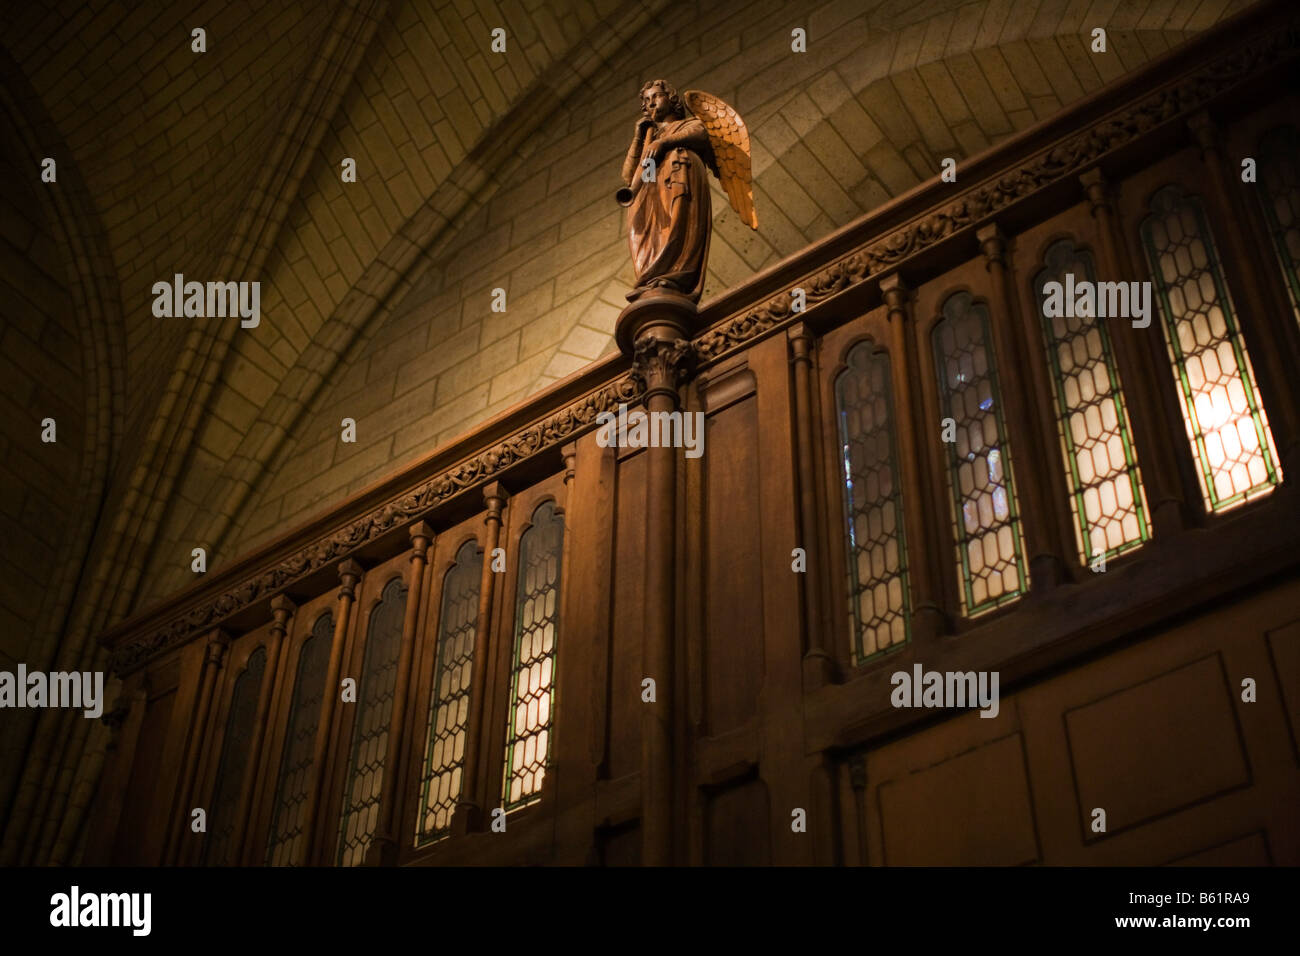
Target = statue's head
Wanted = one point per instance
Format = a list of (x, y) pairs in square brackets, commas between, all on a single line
[(659, 101)]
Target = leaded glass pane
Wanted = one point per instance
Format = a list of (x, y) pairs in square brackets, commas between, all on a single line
[(532, 676), (1106, 497), (1279, 175), (444, 752), (1224, 415), (218, 849), (374, 709), (873, 504), (986, 520), (287, 843)]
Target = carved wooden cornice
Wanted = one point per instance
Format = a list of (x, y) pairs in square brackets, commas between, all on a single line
[(981, 203), (555, 429), (1065, 158)]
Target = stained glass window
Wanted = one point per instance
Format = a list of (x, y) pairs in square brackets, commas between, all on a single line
[(1279, 175), (532, 674), (444, 754), (1106, 498), (986, 519), (219, 848), (374, 709), (287, 843), (873, 505), (1224, 415)]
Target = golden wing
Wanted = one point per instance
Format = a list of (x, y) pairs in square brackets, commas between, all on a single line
[(730, 140)]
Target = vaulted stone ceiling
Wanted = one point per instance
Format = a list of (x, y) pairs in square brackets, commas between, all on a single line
[(474, 171)]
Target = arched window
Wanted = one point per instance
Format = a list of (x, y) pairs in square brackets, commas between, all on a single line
[(1225, 418), (873, 504), (532, 673), (374, 709), (986, 519), (444, 753), (287, 843), (232, 766), (1110, 510), (1279, 177)]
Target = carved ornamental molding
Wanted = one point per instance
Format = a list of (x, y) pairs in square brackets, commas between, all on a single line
[(977, 205), (555, 429)]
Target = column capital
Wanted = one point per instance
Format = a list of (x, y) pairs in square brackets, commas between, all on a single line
[(993, 243), (1206, 131), (495, 497), (895, 293), (421, 535), (281, 610), (663, 362), (350, 573)]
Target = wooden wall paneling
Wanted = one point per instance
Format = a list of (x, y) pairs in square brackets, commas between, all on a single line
[(529, 827), (1132, 205), (338, 767), (1077, 225), (582, 666), (972, 277), (193, 844), (783, 767), (301, 626), (442, 558), (1249, 270)]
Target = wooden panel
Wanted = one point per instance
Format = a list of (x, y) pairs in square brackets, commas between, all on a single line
[(139, 815), (1250, 850), (624, 753), (972, 809), (1284, 646), (738, 830), (1159, 746), (733, 647)]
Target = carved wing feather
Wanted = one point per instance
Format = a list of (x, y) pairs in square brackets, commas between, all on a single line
[(730, 141)]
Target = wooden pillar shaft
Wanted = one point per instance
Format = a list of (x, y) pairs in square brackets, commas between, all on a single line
[(282, 609), (1033, 486), (382, 850), (928, 619), (470, 806), (1143, 386), (662, 359), (213, 655), (350, 573), (818, 662)]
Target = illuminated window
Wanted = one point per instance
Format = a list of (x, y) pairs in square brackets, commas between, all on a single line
[(873, 505), (218, 849), (287, 843), (1110, 512), (444, 754), (1279, 175), (532, 674), (374, 709), (986, 520), (1225, 418)]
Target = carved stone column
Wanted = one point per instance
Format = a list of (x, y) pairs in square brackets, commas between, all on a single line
[(350, 573), (1046, 565), (281, 609), (382, 850), (658, 327), (928, 620), (469, 808), (214, 655), (1157, 456)]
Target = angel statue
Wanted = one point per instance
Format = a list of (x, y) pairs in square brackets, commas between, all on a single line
[(668, 190)]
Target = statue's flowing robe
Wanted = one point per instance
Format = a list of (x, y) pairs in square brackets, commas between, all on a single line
[(671, 217)]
